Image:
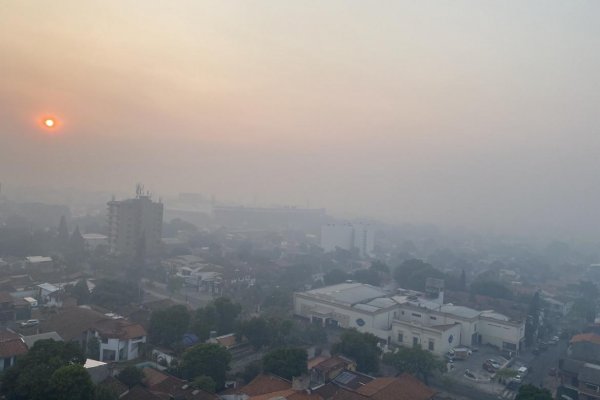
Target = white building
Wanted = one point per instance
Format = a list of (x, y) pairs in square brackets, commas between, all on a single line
[(93, 240), (348, 237), (408, 318)]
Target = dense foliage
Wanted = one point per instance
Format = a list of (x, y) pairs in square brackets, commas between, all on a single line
[(36, 375), (205, 359), (361, 347), (415, 361), (286, 362)]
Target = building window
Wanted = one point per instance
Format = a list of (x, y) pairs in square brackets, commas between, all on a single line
[(104, 340), (433, 318), (400, 337), (415, 341), (416, 315), (431, 345)]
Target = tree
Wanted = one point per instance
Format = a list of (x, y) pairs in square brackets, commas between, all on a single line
[(412, 274), (102, 392), (205, 383), (168, 326), (63, 232), (380, 267), (335, 276), (80, 291), (30, 377), (205, 321), (251, 371), (227, 312), (77, 243), (530, 392), (256, 330), (286, 362), (71, 382), (368, 276), (415, 361), (206, 359), (362, 347), (174, 284), (492, 289), (111, 293), (131, 376), (533, 319)]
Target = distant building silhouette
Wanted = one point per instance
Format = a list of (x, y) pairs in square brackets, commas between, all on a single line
[(133, 220)]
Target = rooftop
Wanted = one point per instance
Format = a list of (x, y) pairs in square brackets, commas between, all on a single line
[(11, 344), (586, 337), (38, 259), (348, 293), (31, 339)]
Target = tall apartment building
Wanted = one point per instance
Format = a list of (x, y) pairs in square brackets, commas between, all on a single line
[(348, 237), (133, 219)]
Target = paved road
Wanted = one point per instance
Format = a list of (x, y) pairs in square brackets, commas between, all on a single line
[(541, 365)]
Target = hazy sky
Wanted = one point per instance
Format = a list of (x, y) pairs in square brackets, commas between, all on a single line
[(474, 113)]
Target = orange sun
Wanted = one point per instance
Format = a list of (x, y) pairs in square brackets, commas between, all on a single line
[(49, 122)]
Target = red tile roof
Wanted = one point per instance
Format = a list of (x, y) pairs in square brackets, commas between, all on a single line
[(586, 337), (263, 384), (11, 344), (404, 387)]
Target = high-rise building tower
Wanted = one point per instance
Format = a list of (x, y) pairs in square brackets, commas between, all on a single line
[(135, 220)]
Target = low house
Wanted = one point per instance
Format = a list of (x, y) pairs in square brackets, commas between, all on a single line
[(162, 384), (324, 369), (49, 294), (11, 346), (346, 386), (13, 308), (39, 264), (119, 338), (31, 339), (97, 370)]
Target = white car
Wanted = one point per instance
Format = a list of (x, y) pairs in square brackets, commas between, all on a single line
[(494, 363), (30, 322)]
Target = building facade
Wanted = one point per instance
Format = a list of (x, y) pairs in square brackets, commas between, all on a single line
[(359, 237), (132, 222), (408, 318)]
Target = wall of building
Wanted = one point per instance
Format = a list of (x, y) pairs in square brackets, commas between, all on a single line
[(443, 341), (503, 335)]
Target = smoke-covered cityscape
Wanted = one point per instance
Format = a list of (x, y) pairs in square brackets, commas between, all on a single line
[(342, 200)]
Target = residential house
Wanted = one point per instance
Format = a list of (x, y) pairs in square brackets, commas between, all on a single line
[(324, 369), (162, 384), (580, 372), (11, 346), (31, 339), (120, 339)]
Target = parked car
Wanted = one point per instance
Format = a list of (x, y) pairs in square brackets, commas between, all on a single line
[(469, 374), (494, 363), (554, 340), (488, 367), (30, 322)]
